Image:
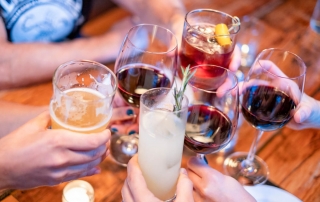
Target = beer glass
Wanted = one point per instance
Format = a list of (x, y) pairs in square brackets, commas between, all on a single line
[(83, 92)]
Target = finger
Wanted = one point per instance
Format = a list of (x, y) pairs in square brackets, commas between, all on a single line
[(77, 141), (132, 129), (184, 187), (92, 171), (122, 114), (199, 166), (84, 167), (137, 183), (125, 129), (235, 60), (118, 101), (226, 87), (196, 196), (78, 171), (195, 178), (80, 157), (126, 193), (41, 122)]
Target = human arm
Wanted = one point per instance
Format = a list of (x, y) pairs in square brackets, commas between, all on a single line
[(34, 156), (14, 115), (26, 63), (212, 186), (166, 13), (135, 188)]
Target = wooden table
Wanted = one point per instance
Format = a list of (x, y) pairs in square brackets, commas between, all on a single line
[(293, 157)]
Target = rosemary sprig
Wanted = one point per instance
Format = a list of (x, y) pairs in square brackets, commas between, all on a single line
[(178, 93)]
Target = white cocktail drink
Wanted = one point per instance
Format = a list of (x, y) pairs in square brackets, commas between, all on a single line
[(161, 136)]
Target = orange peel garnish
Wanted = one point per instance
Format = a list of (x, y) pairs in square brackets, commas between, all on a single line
[(222, 35)]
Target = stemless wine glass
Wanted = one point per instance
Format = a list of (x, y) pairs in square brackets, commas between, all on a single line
[(209, 37), (213, 111), (161, 137), (147, 59), (83, 94), (270, 94)]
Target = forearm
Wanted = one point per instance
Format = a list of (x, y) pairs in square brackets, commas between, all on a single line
[(15, 115), (154, 11), (26, 63)]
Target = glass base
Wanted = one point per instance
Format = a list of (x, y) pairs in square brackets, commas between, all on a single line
[(237, 166), (123, 147)]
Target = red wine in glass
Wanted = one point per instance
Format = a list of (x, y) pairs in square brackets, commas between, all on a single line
[(266, 107), (271, 92), (135, 79), (208, 129)]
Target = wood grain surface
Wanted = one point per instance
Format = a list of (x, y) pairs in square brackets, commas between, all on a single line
[(293, 157)]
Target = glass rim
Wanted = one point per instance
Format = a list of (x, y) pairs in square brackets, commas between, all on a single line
[(210, 10), (284, 51), (183, 108), (234, 86), (114, 88), (175, 47)]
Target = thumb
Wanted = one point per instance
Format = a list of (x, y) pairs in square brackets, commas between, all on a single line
[(302, 114), (41, 122), (184, 187)]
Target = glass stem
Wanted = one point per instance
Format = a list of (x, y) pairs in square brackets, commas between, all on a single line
[(202, 157), (253, 148)]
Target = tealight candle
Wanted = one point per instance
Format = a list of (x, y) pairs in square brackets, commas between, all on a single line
[(78, 191)]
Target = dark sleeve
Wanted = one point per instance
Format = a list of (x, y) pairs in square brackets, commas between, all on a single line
[(85, 11)]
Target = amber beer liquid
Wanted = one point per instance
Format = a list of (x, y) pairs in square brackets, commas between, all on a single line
[(81, 110)]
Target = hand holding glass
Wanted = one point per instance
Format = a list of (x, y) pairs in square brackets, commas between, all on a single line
[(270, 95), (161, 137)]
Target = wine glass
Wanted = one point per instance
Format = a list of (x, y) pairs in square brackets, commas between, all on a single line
[(209, 37), (147, 59), (213, 111), (270, 94), (83, 93), (161, 134)]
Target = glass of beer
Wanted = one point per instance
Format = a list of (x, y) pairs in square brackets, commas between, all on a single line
[(83, 92)]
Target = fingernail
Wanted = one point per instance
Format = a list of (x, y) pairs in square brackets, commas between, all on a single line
[(183, 171), (114, 130), (130, 112), (132, 132)]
